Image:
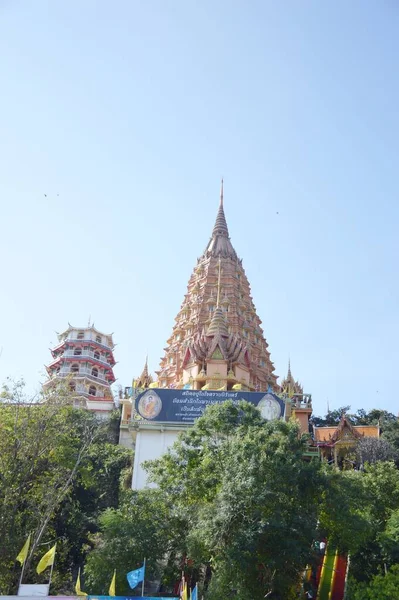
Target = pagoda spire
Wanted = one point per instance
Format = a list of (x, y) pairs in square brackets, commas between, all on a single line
[(220, 227), (145, 370), (220, 244), (145, 378)]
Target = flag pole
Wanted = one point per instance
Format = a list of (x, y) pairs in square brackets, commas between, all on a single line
[(22, 574), (142, 586), (23, 564), (51, 570)]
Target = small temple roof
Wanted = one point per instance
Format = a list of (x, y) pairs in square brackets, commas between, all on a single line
[(331, 434)]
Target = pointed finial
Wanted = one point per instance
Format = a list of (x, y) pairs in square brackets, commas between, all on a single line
[(220, 227), (289, 368), (145, 370)]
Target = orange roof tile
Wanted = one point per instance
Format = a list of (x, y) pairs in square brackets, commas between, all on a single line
[(368, 430), (325, 434)]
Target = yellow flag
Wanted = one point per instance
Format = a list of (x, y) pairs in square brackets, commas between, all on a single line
[(22, 556), (154, 384), (237, 386), (184, 594), (77, 587), (111, 591), (47, 560)]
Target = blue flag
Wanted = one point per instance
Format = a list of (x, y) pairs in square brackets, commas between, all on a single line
[(194, 593), (135, 577)]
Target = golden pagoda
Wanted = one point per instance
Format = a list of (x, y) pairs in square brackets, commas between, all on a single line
[(145, 379), (289, 386), (217, 341)]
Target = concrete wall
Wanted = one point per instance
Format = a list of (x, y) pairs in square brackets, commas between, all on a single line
[(125, 438), (150, 444)]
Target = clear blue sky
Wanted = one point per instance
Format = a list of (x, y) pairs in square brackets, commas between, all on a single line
[(127, 113)]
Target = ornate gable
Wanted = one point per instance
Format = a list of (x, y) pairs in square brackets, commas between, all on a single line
[(345, 431)]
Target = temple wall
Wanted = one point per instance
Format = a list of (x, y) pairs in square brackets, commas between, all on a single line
[(217, 367), (242, 374), (151, 444), (191, 371), (303, 418)]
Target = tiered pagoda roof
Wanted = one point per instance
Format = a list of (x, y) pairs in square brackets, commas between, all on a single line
[(84, 357)]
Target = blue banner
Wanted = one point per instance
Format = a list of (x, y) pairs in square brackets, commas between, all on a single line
[(185, 406)]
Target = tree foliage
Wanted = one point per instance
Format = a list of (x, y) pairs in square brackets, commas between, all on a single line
[(371, 450), (381, 587), (361, 417), (142, 526), (236, 505), (249, 500), (56, 462)]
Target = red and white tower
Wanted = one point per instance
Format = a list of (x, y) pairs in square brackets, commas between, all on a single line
[(85, 356)]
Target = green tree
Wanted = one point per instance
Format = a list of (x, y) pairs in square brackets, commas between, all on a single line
[(47, 464), (377, 504), (332, 417), (391, 433), (373, 417), (389, 539), (141, 527), (249, 500), (98, 485), (381, 587), (343, 515)]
